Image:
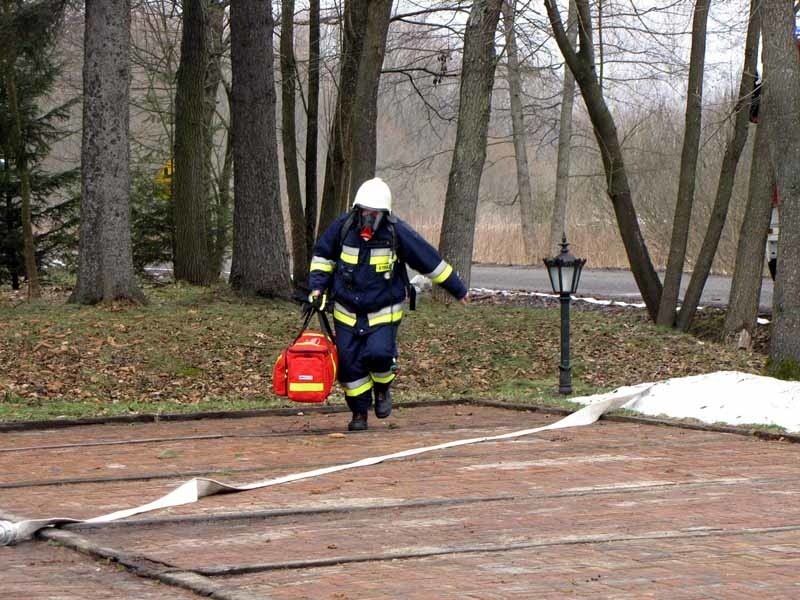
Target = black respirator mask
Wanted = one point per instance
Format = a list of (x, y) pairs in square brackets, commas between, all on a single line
[(368, 224)]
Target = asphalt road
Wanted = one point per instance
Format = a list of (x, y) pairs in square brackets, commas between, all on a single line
[(600, 283)]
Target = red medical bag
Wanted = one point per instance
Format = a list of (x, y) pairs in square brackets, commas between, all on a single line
[(306, 370)]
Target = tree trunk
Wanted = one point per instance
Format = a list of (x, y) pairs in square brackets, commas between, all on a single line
[(363, 143), (192, 260), (217, 203), (730, 162), (297, 225), (336, 186), (260, 264), (558, 222), (223, 205), (475, 102), (780, 62), (686, 179), (105, 260), (21, 161), (526, 211), (10, 247), (581, 64), (747, 274), (312, 124)]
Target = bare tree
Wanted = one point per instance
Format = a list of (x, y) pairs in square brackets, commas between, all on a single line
[(297, 226), (192, 259), (260, 263), (730, 162), (312, 124), (581, 63), (558, 222), (743, 302), (218, 196), (469, 154), (105, 261), (352, 145), (362, 145), (783, 87), (686, 180), (336, 185), (155, 45), (518, 128)]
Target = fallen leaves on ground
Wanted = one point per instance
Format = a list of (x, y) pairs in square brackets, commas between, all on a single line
[(191, 346)]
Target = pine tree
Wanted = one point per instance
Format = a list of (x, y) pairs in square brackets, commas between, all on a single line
[(33, 202)]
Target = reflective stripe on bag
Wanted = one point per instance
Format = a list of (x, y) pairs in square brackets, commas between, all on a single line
[(306, 387)]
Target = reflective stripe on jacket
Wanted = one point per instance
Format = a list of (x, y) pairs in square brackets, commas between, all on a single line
[(362, 277)]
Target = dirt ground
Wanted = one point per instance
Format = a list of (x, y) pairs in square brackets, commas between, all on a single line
[(612, 510)]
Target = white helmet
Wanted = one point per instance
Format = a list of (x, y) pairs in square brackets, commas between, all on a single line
[(374, 194)]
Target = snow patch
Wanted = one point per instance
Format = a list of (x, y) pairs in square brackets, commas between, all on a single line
[(729, 397)]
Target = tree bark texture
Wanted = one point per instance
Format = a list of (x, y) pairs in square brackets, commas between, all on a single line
[(519, 136), (297, 225), (743, 302), (469, 154), (781, 64), (260, 263), (558, 222), (13, 263), (363, 142), (312, 125), (21, 161), (686, 180), (105, 261), (192, 260), (336, 186), (581, 63), (727, 175)]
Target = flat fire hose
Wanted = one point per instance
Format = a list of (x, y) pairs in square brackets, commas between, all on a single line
[(194, 489)]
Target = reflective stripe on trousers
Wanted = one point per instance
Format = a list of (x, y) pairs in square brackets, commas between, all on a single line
[(357, 387)]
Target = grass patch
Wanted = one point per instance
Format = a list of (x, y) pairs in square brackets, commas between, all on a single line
[(195, 349), (787, 369)]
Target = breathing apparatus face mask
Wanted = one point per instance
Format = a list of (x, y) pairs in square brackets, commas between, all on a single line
[(368, 223)]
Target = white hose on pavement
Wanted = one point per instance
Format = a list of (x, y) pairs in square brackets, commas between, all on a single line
[(198, 487)]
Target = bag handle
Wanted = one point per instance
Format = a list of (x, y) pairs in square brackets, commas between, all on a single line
[(324, 323)]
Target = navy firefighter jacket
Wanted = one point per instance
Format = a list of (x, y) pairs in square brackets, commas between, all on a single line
[(361, 275)]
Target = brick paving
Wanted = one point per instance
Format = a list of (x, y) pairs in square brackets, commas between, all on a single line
[(39, 571), (613, 510)]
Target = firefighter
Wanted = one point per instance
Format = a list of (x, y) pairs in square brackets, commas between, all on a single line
[(360, 262)]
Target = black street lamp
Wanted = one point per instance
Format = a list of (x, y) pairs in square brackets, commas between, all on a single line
[(565, 274)]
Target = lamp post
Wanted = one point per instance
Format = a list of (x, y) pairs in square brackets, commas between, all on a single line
[(565, 274)]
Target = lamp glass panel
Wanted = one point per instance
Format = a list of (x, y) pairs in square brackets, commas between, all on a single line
[(552, 271), (567, 272), (578, 271)]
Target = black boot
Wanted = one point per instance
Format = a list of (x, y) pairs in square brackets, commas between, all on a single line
[(359, 422), (383, 401)]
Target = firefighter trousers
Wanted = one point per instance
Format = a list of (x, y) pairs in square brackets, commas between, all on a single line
[(367, 357)]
